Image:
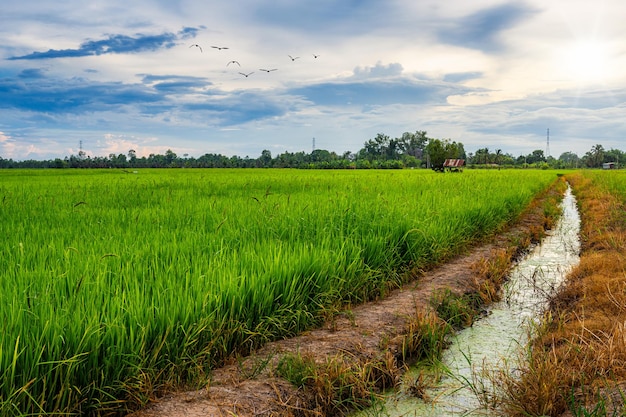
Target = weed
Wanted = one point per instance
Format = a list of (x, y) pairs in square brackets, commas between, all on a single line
[(251, 368), (342, 383), (457, 311), (297, 369), (424, 338)]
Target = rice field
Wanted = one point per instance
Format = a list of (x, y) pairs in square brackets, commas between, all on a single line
[(610, 180), (116, 284)]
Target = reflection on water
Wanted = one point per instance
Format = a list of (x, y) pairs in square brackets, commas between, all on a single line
[(498, 336)]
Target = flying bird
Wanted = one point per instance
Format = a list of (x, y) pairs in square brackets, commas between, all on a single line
[(197, 46), (293, 58), (247, 75), (268, 70), (315, 56), (220, 47), (233, 62)]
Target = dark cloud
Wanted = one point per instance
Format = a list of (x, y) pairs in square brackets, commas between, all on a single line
[(31, 73), (242, 108), (116, 44), (154, 95), (174, 83), (373, 93), (71, 96), (481, 30)]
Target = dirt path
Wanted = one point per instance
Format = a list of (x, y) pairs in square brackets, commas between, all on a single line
[(361, 332)]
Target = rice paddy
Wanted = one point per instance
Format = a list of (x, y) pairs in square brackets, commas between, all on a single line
[(116, 284)]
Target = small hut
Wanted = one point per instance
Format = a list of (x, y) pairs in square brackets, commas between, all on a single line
[(453, 165)]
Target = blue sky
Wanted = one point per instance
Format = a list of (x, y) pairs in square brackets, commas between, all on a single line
[(128, 75)]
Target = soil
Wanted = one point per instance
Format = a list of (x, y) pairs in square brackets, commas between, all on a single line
[(358, 332)]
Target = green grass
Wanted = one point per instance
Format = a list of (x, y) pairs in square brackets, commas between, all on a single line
[(116, 284)]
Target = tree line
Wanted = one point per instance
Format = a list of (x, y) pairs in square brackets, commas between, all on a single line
[(410, 150)]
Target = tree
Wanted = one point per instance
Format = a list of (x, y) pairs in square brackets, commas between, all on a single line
[(321, 155), (569, 160), (170, 158), (482, 156), (440, 150), (594, 157), (376, 148), (615, 155), (413, 143), (536, 157), (265, 160)]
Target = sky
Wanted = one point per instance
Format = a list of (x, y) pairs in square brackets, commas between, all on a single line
[(110, 76)]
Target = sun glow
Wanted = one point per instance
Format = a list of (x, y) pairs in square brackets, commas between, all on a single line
[(586, 62)]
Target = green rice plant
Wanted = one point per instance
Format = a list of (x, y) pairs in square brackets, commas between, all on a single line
[(117, 285)]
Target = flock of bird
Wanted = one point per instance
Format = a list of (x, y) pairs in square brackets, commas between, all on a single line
[(219, 48)]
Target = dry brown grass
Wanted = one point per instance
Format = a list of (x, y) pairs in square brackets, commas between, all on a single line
[(489, 274), (578, 360)]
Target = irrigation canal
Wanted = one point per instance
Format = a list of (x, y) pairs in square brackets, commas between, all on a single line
[(495, 341)]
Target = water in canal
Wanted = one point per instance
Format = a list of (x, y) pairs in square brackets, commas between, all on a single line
[(500, 335)]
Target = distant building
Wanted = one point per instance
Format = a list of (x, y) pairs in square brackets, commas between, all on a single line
[(454, 165), (609, 165)]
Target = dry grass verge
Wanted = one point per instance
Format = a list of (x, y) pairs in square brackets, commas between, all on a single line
[(576, 366)]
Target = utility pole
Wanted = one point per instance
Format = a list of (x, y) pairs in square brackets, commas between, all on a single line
[(313, 150), (548, 144)]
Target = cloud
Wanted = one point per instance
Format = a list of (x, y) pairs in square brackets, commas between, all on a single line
[(31, 73), (115, 44), (379, 70), (175, 84), (171, 99), (458, 77), (243, 107), (577, 120), (72, 96), (400, 90), (321, 16), (120, 144), (482, 30)]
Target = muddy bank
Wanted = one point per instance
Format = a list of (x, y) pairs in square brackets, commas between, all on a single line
[(368, 341)]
